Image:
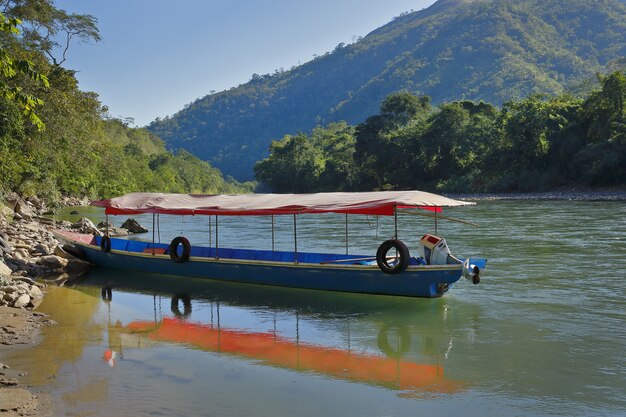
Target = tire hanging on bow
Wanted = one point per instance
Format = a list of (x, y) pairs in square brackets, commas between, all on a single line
[(392, 265)]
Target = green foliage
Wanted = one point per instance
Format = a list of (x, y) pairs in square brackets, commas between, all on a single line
[(11, 68), (81, 152), (295, 165), (495, 51), (535, 143)]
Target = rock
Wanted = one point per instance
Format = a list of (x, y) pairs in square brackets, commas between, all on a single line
[(41, 249), (11, 200), (9, 382), (75, 265), (35, 293), (74, 212), (24, 209), (53, 262), (65, 224), (133, 226), (85, 225), (45, 220), (36, 202), (9, 297), (4, 244), (118, 231), (17, 256), (10, 289), (24, 279), (4, 270), (22, 301), (73, 251)]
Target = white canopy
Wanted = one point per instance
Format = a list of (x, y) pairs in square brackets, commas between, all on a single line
[(376, 202)]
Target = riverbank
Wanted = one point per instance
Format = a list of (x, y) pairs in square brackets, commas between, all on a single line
[(20, 328), (31, 258), (557, 195), (28, 251)]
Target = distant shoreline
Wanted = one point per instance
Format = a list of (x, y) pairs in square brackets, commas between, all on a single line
[(570, 195)]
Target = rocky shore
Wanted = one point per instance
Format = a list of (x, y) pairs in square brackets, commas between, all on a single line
[(31, 258)]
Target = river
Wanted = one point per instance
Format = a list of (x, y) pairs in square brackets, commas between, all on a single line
[(543, 334)]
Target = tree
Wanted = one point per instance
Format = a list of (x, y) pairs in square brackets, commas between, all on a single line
[(11, 69), (336, 143), (294, 165), (404, 106), (603, 160), (48, 29)]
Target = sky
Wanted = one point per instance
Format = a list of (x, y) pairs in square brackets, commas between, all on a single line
[(157, 56)]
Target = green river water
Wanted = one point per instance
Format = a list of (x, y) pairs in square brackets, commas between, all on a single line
[(544, 334)]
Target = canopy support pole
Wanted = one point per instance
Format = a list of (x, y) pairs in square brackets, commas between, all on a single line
[(153, 231), (346, 233), (216, 237), (210, 233), (395, 221), (435, 220), (295, 240), (159, 226), (272, 233), (106, 220)]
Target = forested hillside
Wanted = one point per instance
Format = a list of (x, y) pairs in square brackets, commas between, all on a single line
[(536, 143), (56, 139), (493, 51)]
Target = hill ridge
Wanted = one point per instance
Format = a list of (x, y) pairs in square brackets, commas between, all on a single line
[(491, 50)]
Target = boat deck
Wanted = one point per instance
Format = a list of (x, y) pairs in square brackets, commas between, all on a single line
[(136, 246)]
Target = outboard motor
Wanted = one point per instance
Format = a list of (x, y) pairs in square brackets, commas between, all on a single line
[(434, 250), (471, 272)]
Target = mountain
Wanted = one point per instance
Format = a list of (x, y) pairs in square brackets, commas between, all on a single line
[(491, 50)]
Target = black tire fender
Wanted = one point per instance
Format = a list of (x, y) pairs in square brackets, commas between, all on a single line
[(184, 257), (105, 244), (403, 256)]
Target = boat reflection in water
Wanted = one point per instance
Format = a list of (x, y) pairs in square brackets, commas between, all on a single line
[(366, 339)]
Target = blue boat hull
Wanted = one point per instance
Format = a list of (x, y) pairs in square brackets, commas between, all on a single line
[(416, 281)]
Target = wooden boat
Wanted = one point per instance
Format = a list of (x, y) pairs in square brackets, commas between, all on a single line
[(393, 271)]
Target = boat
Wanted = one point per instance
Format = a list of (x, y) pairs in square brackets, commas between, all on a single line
[(391, 271)]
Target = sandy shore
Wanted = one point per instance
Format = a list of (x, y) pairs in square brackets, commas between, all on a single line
[(20, 328)]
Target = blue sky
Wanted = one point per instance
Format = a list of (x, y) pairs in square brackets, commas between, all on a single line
[(156, 56)]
